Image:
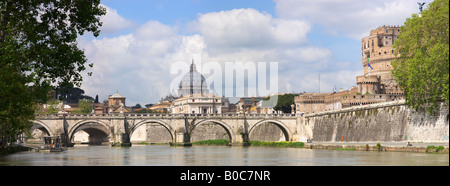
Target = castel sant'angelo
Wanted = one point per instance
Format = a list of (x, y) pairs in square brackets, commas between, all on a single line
[(375, 86)]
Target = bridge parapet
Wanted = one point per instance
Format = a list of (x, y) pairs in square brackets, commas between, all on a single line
[(356, 108), (164, 116)]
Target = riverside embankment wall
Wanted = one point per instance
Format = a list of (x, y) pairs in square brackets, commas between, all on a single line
[(384, 122)]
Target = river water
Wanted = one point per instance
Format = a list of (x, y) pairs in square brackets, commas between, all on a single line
[(160, 155)]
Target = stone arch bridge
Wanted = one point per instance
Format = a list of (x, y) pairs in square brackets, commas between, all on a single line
[(118, 128)]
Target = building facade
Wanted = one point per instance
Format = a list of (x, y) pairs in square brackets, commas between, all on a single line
[(374, 86), (197, 104), (116, 104), (310, 102)]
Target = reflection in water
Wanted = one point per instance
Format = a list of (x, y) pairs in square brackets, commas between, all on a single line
[(218, 155)]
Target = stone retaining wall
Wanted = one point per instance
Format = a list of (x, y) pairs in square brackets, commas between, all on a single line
[(386, 122)]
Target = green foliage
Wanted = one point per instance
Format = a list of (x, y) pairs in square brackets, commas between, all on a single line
[(71, 94), (379, 147), (137, 106), (84, 107), (346, 149), (284, 102), (422, 69), (52, 107), (277, 144), (432, 148), (212, 142), (16, 105), (38, 49)]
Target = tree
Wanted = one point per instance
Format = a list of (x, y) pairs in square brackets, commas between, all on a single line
[(71, 95), (52, 107), (38, 50), (422, 69), (137, 106), (96, 99), (84, 106), (283, 103)]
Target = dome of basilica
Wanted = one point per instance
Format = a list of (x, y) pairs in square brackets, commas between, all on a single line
[(192, 82)]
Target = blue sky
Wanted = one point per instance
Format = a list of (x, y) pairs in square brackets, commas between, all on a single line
[(174, 11), (142, 40)]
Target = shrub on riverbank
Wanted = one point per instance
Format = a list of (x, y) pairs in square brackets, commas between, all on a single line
[(12, 149), (212, 142), (277, 144), (432, 148)]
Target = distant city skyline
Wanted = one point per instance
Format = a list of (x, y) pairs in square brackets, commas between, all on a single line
[(140, 40)]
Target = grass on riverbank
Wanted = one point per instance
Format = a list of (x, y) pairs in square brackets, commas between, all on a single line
[(253, 143), (348, 149), (12, 149), (212, 142), (277, 144), (152, 143)]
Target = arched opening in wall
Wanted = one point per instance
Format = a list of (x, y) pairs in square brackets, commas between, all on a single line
[(91, 133), (209, 131), (268, 131), (37, 134), (151, 132)]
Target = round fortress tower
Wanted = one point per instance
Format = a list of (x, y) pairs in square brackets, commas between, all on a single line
[(377, 50)]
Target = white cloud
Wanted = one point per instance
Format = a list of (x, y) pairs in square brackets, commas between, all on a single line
[(352, 18), (113, 22), (249, 28), (308, 54), (291, 32), (138, 63)]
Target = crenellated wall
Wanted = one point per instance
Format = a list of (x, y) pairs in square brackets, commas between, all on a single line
[(384, 122)]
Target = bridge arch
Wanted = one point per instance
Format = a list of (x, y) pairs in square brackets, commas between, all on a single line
[(221, 123), (165, 125), (39, 130), (38, 124), (287, 133), (97, 127)]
